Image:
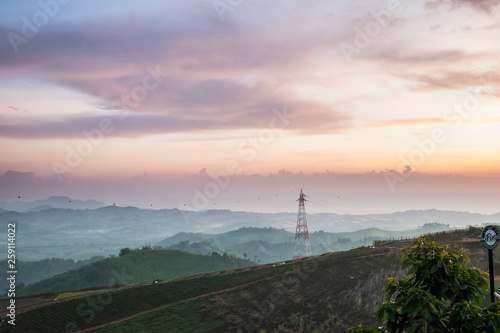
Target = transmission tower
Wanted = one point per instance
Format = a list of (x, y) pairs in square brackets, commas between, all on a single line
[(302, 246)]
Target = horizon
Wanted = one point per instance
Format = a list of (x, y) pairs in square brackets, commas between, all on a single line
[(369, 106), (190, 196), (104, 205)]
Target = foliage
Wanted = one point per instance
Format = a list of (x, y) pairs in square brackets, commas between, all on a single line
[(439, 294), (124, 251)]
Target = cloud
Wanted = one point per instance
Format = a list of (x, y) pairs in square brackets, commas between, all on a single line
[(355, 193), (483, 5), (481, 82), (218, 77), (17, 176), (296, 118), (221, 75), (450, 69), (407, 122)]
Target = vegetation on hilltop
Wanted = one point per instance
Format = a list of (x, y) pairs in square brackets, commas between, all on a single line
[(134, 267)]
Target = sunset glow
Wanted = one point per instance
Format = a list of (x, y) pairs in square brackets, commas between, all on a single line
[(107, 91)]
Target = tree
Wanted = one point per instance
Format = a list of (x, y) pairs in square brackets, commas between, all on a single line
[(124, 251), (343, 240), (439, 294)]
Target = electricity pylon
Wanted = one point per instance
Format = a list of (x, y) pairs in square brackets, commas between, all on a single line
[(302, 246)]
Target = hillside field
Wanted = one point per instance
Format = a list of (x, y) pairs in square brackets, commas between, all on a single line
[(326, 293)]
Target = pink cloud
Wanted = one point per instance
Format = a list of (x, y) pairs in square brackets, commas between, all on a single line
[(484, 5), (201, 87)]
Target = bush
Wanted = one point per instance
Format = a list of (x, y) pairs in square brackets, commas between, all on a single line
[(440, 294), (124, 251)]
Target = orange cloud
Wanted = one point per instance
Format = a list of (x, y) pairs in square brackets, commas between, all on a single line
[(407, 122)]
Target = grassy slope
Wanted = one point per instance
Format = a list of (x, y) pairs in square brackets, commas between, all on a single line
[(342, 291), (311, 289), (137, 266), (328, 293)]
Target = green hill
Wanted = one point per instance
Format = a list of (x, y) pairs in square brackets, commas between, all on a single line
[(268, 245), (134, 267), (335, 290), (263, 251), (326, 293), (241, 235), (33, 271)]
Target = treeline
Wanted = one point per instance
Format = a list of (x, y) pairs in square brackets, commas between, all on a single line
[(470, 232), (126, 250)]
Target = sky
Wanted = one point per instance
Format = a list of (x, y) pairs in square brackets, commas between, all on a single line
[(370, 106)]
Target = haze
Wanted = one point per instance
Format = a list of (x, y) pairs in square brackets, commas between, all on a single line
[(370, 106)]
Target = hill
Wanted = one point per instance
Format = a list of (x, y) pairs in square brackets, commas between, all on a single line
[(135, 267), (80, 234), (326, 293), (33, 271), (262, 297), (240, 235), (267, 245)]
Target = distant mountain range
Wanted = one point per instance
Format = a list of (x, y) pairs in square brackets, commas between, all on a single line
[(266, 245), (80, 234), (52, 202), (262, 245)]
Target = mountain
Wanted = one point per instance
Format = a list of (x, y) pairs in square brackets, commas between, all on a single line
[(241, 235), (80, 234), (267, 245), (135, 267), (52, 202), (264, 245), (326, 293)]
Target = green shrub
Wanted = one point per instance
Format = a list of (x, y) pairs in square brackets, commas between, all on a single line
[(439, 294)]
